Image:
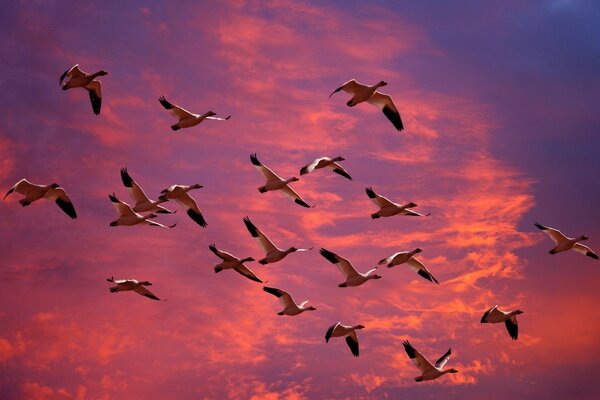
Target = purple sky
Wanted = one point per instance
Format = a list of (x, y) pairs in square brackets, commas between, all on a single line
[(499, 101)]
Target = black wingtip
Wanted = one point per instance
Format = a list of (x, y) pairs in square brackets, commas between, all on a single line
[(251, 227), (409, 349), (272, 291), (113, 198), (592, 254), (197, 217), (254, 160), (540, 226), (126, 178), (394, 118), (302, 203), (303, 171), (335, 91), (370, 192), (329, 255), (165, 103), (342, 173)]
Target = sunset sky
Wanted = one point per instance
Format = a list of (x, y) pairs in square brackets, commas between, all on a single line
[(500, 106)]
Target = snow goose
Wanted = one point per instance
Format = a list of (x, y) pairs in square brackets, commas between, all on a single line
[(274, 182), (429, 372), (361, 93), (75, 77), (142, 202), (339, 330), (274, 253), (407, 257), (52, 192), (388, 208), (131, 284), (494, 315), (564, 243), (326, 162), (128, 217), (232, 262), (180, 194), (186, 118), (290, 306), (353, 277)]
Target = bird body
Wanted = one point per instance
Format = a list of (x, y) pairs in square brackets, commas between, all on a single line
[(273, 253), (128, 217), (52, 192), (407, 257), (353, 277), (180, 194), (564, 243), (428, 371), (232, 262), (186, 118), (290, 306), (75, 77), (388, 208), (349, 332), (132, 284), (325, 162), (494, 315)]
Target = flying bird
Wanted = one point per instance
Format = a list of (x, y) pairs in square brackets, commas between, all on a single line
[(232, 262), (388, 208), (273, 253), (186, 118), (349, 332), (564, 243), (326, 162), (429, 372), (407, 257), (180, 194), (274, 182), (361, 93), (132, 284), (290, 306), (142, 202), (494, 315), (128, 217), (353, 277), (77, 78), (52, 192)]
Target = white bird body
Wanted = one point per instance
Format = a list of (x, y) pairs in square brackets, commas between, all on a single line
[(52, 192), (353, 277), (275, 182), (232, 262), (361, 93), (326, 162), (186, 118), (429, 371), (132, 284), (128, 217), (180, 194), (494, 315), (273, 253), (349, 332), (290, 306), (564, 243), (407, 257), (388, 208), (75, 77)]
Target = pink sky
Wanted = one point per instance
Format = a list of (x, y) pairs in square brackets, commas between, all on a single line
[(500, 112)]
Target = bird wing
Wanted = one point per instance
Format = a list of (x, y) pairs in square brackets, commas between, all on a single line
[(420, 269), (192, 209), (351, 86), (59, 196), (380, 201), (291, 193), (122, 208), (23, 187), (263, 241), (389, 259), (554, 234), (386, 104), (71, 73), (421, 362), (308, 168), (343, 265), (352, 341), (220, 118), (265, 171), (145, 292), (94, 88), (152, 223), (512, 327), (338, 169), (242, 269), (583, 249), (487, 313), (175, 110), (330, 331), (223, 255), (443, 359), (136, 192), (284, 297)]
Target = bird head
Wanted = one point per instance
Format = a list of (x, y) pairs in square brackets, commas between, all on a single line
[(211, 113), (310, 308), (452, 370), (359, 327), (382, 83), (339, 158), (56, 185), (102, 73)]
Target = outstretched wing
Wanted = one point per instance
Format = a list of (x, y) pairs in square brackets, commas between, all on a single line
[(352, 341), (308, 168), (122, 208), (265, 171), (284, 297), (136, 192), (554, 234), (330, 331), (421, 362), (94, 88), (351, 87), (223, 255), (262, 239), (291, 193), (512, 327), (59, 196), (420, 269), (175, 110), (192, 209), (338, 169), (385, 103), (343, 265), (145, 292), (242, 269), (583, 249), (380, 201)]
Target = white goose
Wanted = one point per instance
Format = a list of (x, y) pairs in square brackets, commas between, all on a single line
[(495, 315), (326, 162), (339, 330), (180, 194), (564, 243), (407, 257), (52, 192), (186, 118), (274, 182), (232, 262), (361, 93), (353, 277), (290, 306), (131, 284), (388, 208), (142, 202), (77, 78), (274, 253), (429, 372), (128, 217)]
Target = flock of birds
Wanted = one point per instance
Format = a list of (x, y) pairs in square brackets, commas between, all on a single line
[(128, 216)]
